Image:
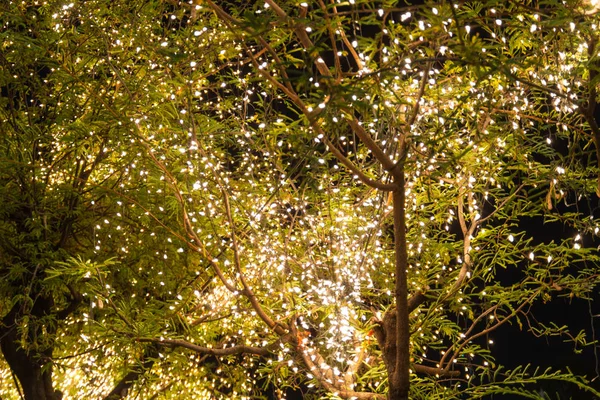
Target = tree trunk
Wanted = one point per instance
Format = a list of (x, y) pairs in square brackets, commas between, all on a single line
[(32, 368), (398, 371)]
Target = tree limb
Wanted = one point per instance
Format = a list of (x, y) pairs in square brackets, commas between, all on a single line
[(222, 351), (122, 387)]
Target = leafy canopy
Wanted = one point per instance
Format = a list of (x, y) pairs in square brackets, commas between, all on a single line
[(216, 183)]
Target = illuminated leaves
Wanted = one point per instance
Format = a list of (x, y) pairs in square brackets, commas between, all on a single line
[(196, 151)]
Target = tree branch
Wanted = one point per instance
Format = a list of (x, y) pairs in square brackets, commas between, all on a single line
[(123, 386), (74, 302), (434, 371), (295, 98), (469, 339), (326, 380), (227, 351), (248, 292)]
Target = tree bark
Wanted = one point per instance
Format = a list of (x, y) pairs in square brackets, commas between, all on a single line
[(398, 370)]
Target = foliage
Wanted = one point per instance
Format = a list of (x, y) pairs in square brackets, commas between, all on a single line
[(220, 200)]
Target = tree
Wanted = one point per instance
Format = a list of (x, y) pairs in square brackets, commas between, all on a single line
[(332, 196), (53, 141), (59, 162)]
